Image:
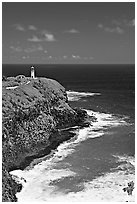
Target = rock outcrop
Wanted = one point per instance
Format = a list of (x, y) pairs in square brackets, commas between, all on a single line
[(34, 113)]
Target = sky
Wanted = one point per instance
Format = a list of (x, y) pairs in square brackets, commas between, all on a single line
[(68, 32)]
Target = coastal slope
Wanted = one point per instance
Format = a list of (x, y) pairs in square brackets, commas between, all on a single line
[(35, 112)]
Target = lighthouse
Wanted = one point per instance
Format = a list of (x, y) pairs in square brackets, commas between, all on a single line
[(32, 72)]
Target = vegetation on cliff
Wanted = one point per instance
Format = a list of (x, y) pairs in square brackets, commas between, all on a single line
[(33, 111)]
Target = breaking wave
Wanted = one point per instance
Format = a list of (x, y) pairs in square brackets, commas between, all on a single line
[(75, 96), (108, 187), (39, 185)]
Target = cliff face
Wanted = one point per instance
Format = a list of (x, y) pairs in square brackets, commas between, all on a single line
[(34, 112)]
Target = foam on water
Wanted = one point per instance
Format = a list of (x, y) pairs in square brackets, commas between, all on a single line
[(108, 187), (39, 180), (75, 96), (125, 158), (106, 120)]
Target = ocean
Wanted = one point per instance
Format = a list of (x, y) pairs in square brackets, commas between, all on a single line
[(99, 161)]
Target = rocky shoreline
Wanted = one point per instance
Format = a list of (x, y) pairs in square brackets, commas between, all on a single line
[(35, 114)]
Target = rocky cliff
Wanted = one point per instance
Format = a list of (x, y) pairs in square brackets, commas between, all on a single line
[(34, 113)]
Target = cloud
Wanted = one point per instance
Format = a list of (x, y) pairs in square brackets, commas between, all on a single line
[(16, 49), (130, 23), (117, 26), (117, 30), (25, 57), (33, 49), (34, 39), (50, 57), (116, 22), (40, 48), (76, 57), (73, 31), (36, 48), (32, 27), (29, 50), (47, 36), (39, 36), (114, 29), (91, 58), (100, 25), (124, 23), (43, 36), (19, 27)]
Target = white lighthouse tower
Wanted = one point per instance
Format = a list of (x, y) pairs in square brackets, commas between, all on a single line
[(32, 72)]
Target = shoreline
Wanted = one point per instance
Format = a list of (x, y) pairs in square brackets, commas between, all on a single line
[(46, 152), (35, 115), (48, 157), (65, 136)]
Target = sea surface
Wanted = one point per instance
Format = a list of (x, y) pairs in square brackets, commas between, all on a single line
[(99, 161)]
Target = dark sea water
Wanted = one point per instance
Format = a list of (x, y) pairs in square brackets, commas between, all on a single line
[(99, 161)]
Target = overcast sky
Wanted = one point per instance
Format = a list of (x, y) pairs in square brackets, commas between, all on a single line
[(89, 33)]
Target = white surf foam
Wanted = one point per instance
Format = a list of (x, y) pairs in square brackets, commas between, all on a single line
[(127, 162), (109, 187), (106, 120), (106, 188), (75, 96), (39, 179), (97, 128), (39, 182)]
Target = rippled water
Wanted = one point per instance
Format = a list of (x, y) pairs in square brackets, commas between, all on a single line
[(92, 166)]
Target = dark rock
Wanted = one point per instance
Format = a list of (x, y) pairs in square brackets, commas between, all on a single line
[(130, 188), (33, 115), (4, 78), (9, 186)]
